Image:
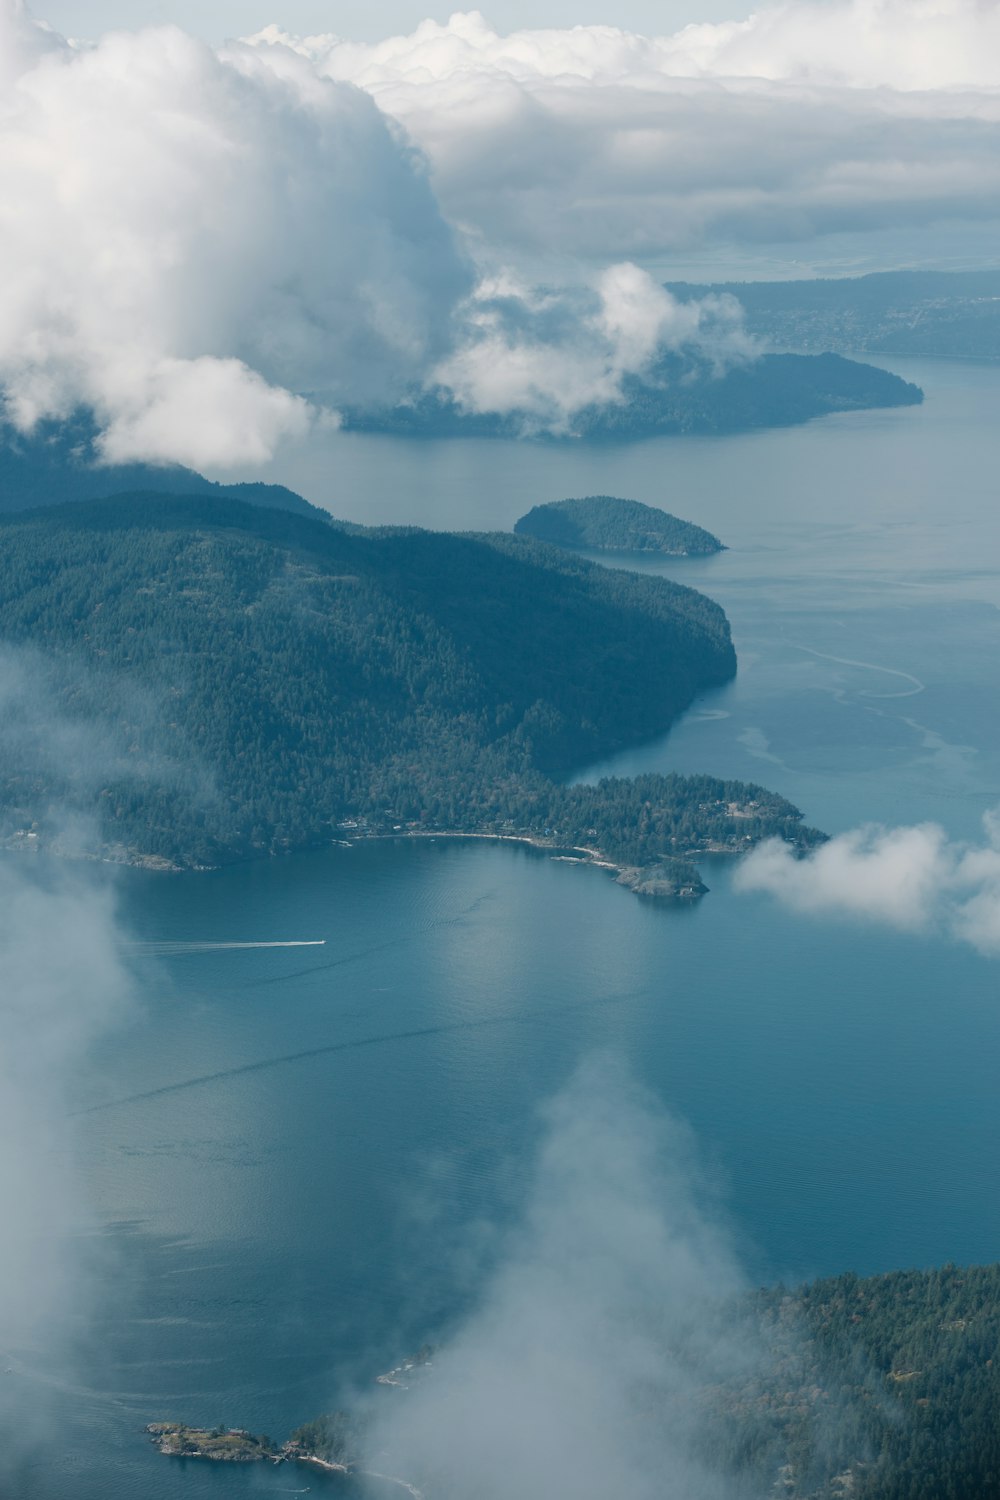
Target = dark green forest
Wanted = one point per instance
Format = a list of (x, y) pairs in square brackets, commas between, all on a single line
[(239, 681), (605, 523), (884, 1388)]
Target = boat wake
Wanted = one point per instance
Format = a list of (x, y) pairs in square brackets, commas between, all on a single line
[(916, 686), (163, 949)]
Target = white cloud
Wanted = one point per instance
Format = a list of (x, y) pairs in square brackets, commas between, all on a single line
[(193, 241), (808, 118), (202, 412), (900, 44), (548, 354), (912, 878), (922, 44)]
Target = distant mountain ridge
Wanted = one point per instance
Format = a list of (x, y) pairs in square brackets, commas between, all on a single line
[(949, 314)]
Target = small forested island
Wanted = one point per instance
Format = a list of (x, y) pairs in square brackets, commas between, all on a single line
[(679, 395), (878, 1388), (244, 681), (603, 523)]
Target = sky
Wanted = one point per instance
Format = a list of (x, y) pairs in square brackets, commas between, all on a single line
[(362, 20), (216, 246)]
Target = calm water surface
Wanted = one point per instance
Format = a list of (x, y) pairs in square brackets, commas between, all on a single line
[(295, 1152)]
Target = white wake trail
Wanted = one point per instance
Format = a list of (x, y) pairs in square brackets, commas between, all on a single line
[(872, 666), (167, 949)]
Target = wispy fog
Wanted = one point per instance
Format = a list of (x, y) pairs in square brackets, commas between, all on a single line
[(71, 736), (64, 984), (584, 1367), (912, 878)]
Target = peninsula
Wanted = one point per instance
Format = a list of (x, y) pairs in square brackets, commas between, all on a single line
[(248, 681), (603, 523)]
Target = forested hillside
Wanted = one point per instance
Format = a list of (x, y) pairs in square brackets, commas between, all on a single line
[(885, 1388), (245, 680)]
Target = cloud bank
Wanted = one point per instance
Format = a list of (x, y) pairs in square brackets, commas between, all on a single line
[(912, 878), (578, 1373), (204, 248), (212, 250), (809, 118)]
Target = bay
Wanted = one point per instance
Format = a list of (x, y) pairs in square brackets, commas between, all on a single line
[(294, 1157)]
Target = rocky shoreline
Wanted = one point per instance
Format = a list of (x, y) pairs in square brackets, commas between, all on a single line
[(237, 1445)]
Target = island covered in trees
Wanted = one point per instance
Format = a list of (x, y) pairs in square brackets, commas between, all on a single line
[(604, 523), (240, 681), (878, 1388)]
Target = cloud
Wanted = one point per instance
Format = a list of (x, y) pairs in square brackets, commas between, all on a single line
[(809, 118), (904, 44), (203, 247), (212, 249), (547, 354), (911, 878), (578, 1371), (899, 44)]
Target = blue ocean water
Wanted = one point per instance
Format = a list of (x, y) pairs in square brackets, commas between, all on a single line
[(293, 1156)]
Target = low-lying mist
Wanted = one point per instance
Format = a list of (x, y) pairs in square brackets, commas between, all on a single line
[(584, 1368), (63, 984)]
